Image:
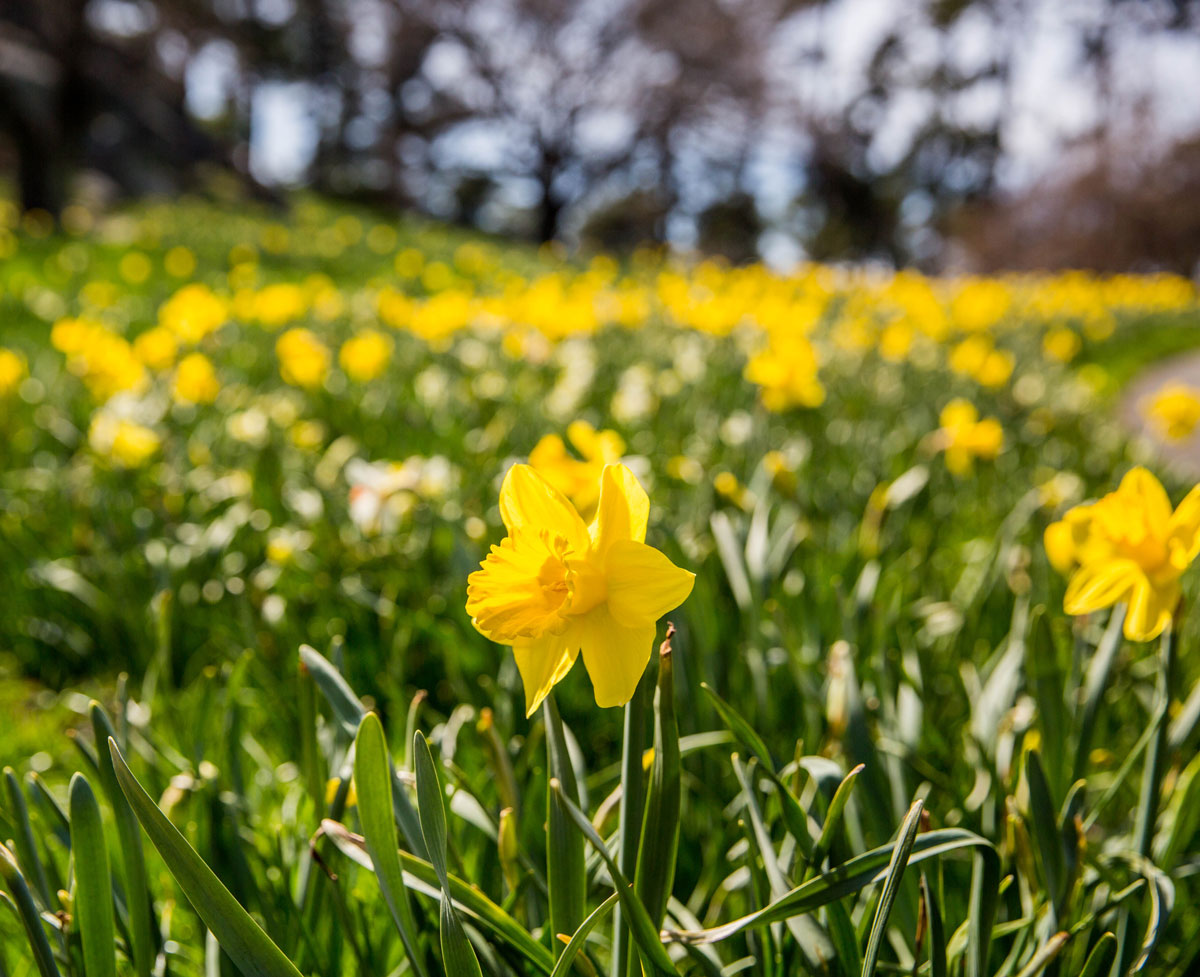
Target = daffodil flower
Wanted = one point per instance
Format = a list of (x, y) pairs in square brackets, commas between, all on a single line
[(556, 586), (1129, 547)]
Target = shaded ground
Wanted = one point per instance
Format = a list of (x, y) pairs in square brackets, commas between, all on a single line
[(1183, 368)]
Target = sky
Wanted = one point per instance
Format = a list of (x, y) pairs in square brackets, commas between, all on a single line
[(1054, 99)]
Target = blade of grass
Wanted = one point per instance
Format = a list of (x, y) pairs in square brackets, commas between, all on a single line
[(239, 935)]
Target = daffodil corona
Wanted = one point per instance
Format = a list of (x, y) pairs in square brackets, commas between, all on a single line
[(556, 586), (1129, 547)]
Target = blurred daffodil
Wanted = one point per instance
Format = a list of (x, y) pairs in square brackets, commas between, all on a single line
[(1129, 547), (577, 480), (1175, 411), (195, 380), (366, 355), (964, 437), (556, 586), (12, 371), (303, 358)]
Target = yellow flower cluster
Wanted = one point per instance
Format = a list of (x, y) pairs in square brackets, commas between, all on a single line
[(104, 360)]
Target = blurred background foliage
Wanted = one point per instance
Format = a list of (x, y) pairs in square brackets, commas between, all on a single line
[(969, 134)]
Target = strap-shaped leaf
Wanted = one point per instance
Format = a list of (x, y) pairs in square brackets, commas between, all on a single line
[(566, 870), (891, 886), (645, 934), (26, 848), (458, 955), (251, 950), (20, 899), (93, 881), (1101, 958), (373, 783), (349, 712), (478, 908), (576, 943), (133, 856), (659, 846), (849, 877)]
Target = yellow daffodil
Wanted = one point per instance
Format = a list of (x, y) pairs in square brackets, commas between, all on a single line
[(366, 355), (556, 586), (12, 371), (303, 358), (964, 437), (1129, 547), (124, 442), (195, 380), (1175, 411)]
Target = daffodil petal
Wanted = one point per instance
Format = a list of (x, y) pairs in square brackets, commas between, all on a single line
[(543, 663), (1150, 610), (527, 500), (1059, 541), (1141, 485), (1185, 525), (1102, 584), (615, 656), (623, 509), (643, 584)]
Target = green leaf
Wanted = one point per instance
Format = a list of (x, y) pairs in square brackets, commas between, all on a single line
[(1043, 817), (660, 827), (133, 856), (891, 885), (566, 867), (741, 729), (645, 933), (21, 900), (251, 950), (349, 712), (936, 931), (981, 909), (1100, 960), (833, 819), (26, 848), (458, 955), (1044, 955), (93, 881), (421, 877), (373, 783), (849, 877), (572, 949)]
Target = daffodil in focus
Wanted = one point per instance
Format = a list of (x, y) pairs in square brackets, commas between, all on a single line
[(964, 437), (577, 480), (195, 380), (1175, 411), (303, 358), (1129, 547), (556, 586)]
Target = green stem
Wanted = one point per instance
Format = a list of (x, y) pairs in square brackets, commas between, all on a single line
[(633, 798), (566, 872), (1152, 773)]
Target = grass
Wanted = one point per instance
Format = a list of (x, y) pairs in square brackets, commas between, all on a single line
[(895, 752)]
